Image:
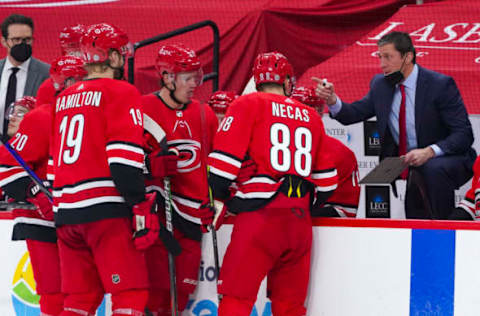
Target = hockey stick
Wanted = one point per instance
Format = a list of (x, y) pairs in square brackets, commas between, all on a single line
[(171, 259), (8, 206), (159, 134), (203, 123), (25, 167)]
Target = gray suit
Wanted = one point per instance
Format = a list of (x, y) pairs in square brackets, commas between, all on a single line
[(38, 71)]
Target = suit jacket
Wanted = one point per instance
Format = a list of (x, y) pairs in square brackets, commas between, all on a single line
[(440, 114), (37, 72)]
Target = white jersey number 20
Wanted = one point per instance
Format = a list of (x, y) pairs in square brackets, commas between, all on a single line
[(70, 147), (280, 140)]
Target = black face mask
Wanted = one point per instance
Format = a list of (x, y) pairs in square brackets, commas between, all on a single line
[(21, 52), (394, 78)]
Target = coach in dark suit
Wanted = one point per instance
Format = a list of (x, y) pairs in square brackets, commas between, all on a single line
[(420, 116), (20, 74)]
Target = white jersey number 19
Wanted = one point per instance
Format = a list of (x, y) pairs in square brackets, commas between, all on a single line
[(280, 140), (73, 141)]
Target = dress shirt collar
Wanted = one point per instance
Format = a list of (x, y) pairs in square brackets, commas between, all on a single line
[(411, 80), (23, 66)]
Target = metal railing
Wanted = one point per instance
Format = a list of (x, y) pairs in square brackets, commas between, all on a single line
[(216, 49)]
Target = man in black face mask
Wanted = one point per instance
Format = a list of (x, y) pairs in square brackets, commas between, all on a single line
[(20, 74), (420, 117)]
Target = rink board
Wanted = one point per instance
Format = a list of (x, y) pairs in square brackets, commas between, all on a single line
[(359, 267)]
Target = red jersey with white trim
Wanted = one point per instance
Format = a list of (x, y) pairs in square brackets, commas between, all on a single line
[(32, 143), (471, 201), (345, 198), (184, 130), (46, 92), (97, 155), (282, 136)]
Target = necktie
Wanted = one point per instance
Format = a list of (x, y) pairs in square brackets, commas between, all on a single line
[(11, 95), (402, 129)]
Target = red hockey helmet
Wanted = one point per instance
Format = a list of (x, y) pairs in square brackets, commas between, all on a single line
[(99, 39), (308, 96), (15, 109), (271, 68), (177, 58), (70, 39), (220, 101), (66, 67)]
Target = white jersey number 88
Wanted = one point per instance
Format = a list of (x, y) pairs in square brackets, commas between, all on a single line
[(280, 140)]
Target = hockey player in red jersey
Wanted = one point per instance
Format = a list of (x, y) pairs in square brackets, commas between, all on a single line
[(191, 132), (220, 101), (16, 111), (98, 181), (70, 46), (37, 225), (34, 225), (469, 207), (272, 233), (344, 201)]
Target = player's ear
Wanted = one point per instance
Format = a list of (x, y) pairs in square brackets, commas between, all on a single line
[(4, 42), (116, 59), (168, 78), (288, 86)]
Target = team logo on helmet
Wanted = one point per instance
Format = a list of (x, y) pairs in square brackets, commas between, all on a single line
[(272, 68), (99, 39), (307, 96), (64, 68), (176, 58), (220, 100), (70, 39)]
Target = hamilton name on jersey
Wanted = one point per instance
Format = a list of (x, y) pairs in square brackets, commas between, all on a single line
[(76, 100), (290, 111)]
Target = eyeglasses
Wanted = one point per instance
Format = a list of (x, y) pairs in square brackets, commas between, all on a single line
[(16, 111), (18, 40)]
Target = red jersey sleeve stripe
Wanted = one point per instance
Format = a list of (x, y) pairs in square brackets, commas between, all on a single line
[(224, 165), (33, 221), (125, 147), (10, 174), (83, 186), (226, 159), (126, 154), (325, 188), (221, 173), (324, 174), (50, 175), (125, 161), (469, 207), (90, 202), (325, 180)]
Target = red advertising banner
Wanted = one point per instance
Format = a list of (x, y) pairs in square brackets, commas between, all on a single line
[(446, 36), (306, 31)]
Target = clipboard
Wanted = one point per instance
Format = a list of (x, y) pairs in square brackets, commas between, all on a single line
[(386, 172)]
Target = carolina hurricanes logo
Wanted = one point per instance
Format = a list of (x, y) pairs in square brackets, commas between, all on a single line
[(48, 3), (190, 158)]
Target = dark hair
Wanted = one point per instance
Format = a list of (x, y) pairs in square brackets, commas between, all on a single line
[(267, 85), (15, 19), (402, 42)]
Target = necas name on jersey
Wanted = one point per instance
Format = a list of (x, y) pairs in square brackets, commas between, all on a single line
[(76, 100), (289, 111)]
